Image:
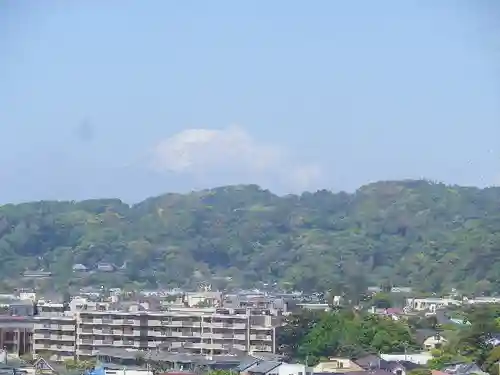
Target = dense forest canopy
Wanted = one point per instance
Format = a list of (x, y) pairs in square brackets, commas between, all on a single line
[(313, 336), (429, 236), (316, 335)]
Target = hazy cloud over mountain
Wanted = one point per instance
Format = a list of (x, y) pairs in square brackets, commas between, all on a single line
[(233, 152), (331, 96)]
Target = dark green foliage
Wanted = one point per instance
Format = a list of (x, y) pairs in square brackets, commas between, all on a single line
[(484, 325), (297, 326), (470, 342), (492, 360), (414, 233), (343, 333)]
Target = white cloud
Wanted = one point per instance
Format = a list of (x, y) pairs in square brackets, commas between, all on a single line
[(232, 152)]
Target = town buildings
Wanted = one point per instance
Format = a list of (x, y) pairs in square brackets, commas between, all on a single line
[(16, 334), (210, 331)]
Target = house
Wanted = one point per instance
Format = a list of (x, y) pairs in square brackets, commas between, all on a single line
[(434, 342), (443, 318), (394, 289), (482, 300), (460, 321), (37, 274), (410, 366), (263, 368), (276, 368), (392, 312), (417, 358), (105, 267), (293, 369), (464, 369), (430, 339), (245, 364), (401, 289), (493, 340), (337, 365), (373, 362), (14, 366), (79, 268), (44, 367), (395, 368), (431, 304), (22, 308)]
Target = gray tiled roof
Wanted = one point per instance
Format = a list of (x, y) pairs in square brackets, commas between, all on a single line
[(372, 361), (162, 356), (424, 334), (246, 363), (263, 367), (464, 369)]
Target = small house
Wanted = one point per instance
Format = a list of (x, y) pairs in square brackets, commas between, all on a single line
[(430, 339), (105, 267), (79, 268)]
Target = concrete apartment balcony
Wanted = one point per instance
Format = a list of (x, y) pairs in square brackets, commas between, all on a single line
[(53, 347), (261, 348), (261, 337), (39, 326), (87, 352)]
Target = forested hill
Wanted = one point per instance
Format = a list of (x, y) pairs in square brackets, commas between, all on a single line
[(411, 233)]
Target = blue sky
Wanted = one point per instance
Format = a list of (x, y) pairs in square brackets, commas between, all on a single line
[(135, 98)]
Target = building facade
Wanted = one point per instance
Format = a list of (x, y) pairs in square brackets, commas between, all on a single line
[(55, 334), (16, 334), (209, 331)]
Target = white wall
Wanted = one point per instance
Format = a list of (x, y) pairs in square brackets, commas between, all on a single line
[(291, 369), (128, 372), (418, 358)]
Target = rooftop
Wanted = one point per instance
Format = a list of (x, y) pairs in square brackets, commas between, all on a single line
[(171, 357), (16, 321)]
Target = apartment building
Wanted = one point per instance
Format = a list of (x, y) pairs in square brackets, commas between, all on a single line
[(208, 331), (55, 334), (430, 304), (16, 334), (256, 301)]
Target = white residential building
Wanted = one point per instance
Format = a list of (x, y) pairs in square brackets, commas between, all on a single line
[(430, 304), (55, 334), (193, 330)]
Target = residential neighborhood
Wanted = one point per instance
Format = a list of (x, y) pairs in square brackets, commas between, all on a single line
[(203, 331)]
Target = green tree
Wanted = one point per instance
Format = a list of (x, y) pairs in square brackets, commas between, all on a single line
[(221, 372), (345, 333), (428, 235), (294, 329), (442, 357), (491, 364), (79, 365)]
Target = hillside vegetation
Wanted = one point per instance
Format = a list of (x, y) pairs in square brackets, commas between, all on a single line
[(410, 233)]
